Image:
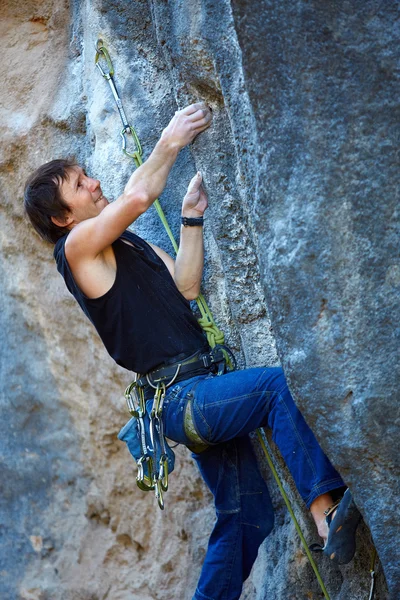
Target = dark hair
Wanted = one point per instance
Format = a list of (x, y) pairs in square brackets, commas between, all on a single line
[(43, 200)]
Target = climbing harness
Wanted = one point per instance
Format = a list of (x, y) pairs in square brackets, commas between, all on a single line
[(156, 462)]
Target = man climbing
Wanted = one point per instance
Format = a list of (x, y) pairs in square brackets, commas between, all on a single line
[(137, 297)]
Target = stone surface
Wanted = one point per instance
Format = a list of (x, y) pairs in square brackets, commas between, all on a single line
[(300, 166), (330, 186)]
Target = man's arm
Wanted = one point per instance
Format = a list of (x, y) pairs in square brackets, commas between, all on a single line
[(187, 270), (190, 258), (90, 237)]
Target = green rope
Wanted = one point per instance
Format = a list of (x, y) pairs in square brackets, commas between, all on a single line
[(261, 435), (137, 157)]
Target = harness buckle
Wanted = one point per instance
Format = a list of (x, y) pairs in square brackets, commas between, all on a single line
[(207, 360)]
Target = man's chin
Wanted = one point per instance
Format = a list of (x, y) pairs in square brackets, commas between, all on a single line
[(101, 203)]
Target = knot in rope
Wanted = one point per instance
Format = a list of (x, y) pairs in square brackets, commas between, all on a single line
[(214, 334)]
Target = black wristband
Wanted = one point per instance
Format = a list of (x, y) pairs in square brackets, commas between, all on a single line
[(192, 222)]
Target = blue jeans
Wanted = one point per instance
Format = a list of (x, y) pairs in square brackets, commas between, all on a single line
[(225, 410)]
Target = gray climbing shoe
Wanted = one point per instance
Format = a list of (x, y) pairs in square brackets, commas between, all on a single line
[(341, 543)]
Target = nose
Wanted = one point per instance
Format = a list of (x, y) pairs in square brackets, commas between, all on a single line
[(93, 184)]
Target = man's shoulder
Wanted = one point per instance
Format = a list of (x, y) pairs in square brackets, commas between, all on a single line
[(59, 252)]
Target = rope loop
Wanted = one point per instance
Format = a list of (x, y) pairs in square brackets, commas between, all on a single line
[(214, 335)]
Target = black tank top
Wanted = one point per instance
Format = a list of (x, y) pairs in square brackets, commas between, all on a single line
[(143, 319)]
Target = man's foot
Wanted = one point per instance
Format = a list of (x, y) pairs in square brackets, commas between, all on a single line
[(322, 524), (342, 521)]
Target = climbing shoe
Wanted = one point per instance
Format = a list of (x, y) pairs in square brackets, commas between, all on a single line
[(341, 543)]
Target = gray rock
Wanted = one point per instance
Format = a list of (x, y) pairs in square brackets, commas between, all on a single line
[(302, 268)]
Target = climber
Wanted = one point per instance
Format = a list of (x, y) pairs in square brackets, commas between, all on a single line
[(137, 298)]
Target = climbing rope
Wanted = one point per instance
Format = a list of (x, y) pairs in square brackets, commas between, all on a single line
[(261, 438), (214, 335)]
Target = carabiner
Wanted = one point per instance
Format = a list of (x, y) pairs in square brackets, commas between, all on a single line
[(143, 481), (137, 154), (163, 472), (135, 399), (159, 494), (372, 589), (131, 406), (158, 401), (102, 50)]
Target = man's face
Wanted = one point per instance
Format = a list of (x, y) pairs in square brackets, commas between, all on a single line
[(83, 196)]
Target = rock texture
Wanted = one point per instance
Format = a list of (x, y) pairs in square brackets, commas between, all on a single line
[(302, 250)]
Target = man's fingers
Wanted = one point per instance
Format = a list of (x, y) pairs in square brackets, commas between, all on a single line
[(202, 113), (200, 126), (195, 183), (190, 121), (192, 108), (201, 122)]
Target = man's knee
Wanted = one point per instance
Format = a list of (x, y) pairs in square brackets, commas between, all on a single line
[(275, 381)]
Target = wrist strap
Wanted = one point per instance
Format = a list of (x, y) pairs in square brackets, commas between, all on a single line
[(192, 222)]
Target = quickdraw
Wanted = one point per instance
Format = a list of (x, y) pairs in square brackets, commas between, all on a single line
[(101, 51), (153, 463), (137, 408)]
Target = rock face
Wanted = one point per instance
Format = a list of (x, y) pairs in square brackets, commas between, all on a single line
[(302, 251)]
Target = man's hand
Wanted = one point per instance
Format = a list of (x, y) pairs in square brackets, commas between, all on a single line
[(190, 257), (195, 201), (186, 124)]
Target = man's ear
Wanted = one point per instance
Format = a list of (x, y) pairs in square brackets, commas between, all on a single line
[(63, 222)]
